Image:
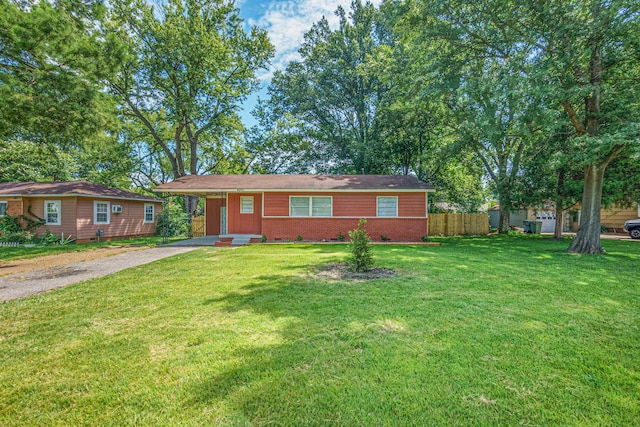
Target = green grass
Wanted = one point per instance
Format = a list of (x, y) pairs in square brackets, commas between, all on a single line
[(482, 331), (20, 252)]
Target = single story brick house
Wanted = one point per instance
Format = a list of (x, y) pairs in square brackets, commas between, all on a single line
[(315, 207), (81, 209)]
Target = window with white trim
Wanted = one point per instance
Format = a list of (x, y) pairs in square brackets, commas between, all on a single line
[(320, 206), (149, 212), (246, 204), (52, 212), (388, 206), (101, 212), (3, 209)]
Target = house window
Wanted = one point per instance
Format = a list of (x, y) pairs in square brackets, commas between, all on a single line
[(52, 212), (148, 212), (101, 213), (310, 206), (3, 209), (246, 204), (387, 206)]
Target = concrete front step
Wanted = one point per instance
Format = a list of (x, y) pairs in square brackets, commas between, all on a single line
[(238, 239)]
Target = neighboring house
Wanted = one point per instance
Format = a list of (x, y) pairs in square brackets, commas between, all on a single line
[(612, 218), (315, 207), (81, 209), (515, 218)]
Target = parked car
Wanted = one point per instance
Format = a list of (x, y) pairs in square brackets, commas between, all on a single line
[(633, 227)]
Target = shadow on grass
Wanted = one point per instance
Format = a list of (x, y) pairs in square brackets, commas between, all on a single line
[(452, 326)]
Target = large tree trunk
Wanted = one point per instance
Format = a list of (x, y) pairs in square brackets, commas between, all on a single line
[(587, 240), (505, 219), (557, 232)]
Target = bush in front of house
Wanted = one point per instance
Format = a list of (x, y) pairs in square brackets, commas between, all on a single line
[(361, 258)]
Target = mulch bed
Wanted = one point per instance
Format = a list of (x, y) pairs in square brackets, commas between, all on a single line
[(342, 271)]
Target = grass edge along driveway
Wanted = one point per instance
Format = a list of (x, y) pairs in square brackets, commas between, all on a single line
[(480, 331)]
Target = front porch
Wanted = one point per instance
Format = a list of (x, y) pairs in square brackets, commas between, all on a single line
[(218, 240)]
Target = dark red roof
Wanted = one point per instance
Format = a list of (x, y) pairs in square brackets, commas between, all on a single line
[(69, 188), (230, 183)]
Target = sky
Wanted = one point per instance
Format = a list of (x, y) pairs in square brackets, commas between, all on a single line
[(286, 21)]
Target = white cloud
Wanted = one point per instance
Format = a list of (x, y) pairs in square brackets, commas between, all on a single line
[(287, 21)]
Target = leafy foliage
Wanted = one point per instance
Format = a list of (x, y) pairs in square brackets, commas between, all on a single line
[(173, 221), (361, 258), (189, 64)]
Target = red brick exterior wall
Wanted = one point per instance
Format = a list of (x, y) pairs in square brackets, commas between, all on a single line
[(396, 229)]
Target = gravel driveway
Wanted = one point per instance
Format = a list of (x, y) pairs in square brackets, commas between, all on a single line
[(38, 281)]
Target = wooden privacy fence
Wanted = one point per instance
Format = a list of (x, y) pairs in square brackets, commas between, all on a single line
[(197, 226), (458, 224)]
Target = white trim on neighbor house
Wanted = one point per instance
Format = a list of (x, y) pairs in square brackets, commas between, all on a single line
[(310, 207), (3, 211), (58, 212), (91, 196), (296, 190), (107, 211), (385, 215), (245, 206), (153, 213)]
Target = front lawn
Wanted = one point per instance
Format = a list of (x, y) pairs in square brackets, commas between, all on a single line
[(8, 253), (480, 331)]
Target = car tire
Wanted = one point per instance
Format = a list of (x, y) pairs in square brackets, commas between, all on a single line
[(634, 233)]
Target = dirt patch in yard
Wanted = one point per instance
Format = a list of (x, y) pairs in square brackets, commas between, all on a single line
[(342, 271), (50, 261)]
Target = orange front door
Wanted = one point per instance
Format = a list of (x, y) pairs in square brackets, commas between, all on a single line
[(212, 212), (244, 213)]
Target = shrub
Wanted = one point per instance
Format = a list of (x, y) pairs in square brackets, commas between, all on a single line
[(341, 237), (361, 258), (424, 238), (9, 224), (384, 238), (264, 238), (48, 238), (174, 220), (299, 238)]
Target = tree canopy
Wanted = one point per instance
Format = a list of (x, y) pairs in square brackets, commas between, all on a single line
[(533, 103)]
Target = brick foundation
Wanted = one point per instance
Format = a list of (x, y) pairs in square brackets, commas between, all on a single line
[(396, 229)]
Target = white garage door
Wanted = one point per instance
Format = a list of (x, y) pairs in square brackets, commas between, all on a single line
[(548, 221)]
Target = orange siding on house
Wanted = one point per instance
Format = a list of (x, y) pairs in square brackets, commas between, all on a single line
[(240, 223), (128, 223), (14, 207), (412, 204), (67, 214), (350, 204), (354, 204), (396, 229)]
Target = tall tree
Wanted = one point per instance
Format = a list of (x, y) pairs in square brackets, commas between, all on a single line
[(56, 120), (588, 51), (190, 63), (481, 70), (52, 60), (330, 93)]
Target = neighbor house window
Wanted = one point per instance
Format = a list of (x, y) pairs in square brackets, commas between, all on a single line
[(246, 204), (310, 206), (101, 213), (3, 209), (387, 206), (52, 212), (148, 212)]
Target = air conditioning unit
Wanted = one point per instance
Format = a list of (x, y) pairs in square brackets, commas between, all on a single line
[(116, 208)]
